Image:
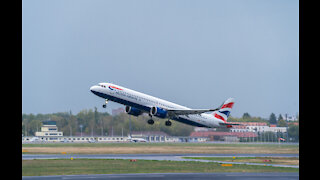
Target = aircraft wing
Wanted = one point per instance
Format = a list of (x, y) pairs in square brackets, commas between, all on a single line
[(176, 112)]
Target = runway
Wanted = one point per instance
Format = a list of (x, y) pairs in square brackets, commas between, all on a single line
[(175, 176), (161, 157)]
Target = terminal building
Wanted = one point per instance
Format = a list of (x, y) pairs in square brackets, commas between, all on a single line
[(49, 131), (158, 136)]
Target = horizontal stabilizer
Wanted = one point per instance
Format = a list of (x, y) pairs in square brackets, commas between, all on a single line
[(233, 124)]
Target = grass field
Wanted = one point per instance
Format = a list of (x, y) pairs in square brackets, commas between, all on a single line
[(102, 166), (265, 160), (150, 148)]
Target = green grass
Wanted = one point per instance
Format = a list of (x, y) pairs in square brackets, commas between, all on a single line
[(103, 166), (274, 160), (220, 158)]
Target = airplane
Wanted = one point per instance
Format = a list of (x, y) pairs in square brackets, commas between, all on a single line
[(136, 139), (34, 139), (137, 103)]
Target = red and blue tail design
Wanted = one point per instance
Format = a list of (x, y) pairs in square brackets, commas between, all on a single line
[(224, 110)]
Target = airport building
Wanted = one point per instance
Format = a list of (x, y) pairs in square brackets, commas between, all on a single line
[(49, 131), (111, 139), (75, 139), (246, 131), (118, 111), (224, 136), (267, 129), (289, 118), (158, 136), (257, 127)]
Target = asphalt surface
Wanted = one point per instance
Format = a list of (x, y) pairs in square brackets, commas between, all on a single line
[(176, 176), (145, 156)]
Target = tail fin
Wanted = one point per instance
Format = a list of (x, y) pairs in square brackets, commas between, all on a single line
[(224, 110)]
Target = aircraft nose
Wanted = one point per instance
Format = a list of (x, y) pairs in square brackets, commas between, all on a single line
[(93, 88)]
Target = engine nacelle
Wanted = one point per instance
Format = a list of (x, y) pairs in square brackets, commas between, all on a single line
[(159, 112), (133, 111)]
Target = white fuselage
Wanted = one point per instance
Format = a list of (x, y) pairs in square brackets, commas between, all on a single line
[(145, 102), (137, 140)]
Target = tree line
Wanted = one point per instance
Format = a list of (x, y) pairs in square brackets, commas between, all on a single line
[(91, 122)]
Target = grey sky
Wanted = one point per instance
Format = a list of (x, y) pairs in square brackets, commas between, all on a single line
[(194, 53)]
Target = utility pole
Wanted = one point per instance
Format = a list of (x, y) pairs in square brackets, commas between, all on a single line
[(81, 129), (130, 125), (287, 131), (101, 123), (112, 127), (287, 134)]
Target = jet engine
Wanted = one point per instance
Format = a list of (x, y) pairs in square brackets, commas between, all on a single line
[(159, 112), (133, 111)]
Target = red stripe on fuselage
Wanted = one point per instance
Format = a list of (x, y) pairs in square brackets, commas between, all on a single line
[(115, 87), (219, 117), (229, 105)]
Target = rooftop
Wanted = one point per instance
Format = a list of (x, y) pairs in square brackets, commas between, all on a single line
[(148, 133), (215, 133), (49, 123)]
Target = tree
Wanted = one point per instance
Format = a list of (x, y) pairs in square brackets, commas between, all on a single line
[(282, 123), (246, 116), (293, 132), (273, 119), (35, 126), (72, 125), (91, 122)]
